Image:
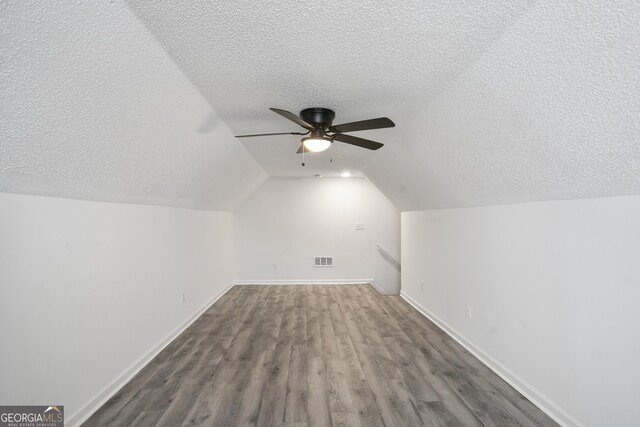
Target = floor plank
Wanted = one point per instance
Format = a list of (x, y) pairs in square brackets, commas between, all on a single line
[(312, 355)]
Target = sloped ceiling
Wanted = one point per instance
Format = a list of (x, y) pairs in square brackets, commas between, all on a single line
[(363, 59), (495, 102), (91, 107), (551, 110)]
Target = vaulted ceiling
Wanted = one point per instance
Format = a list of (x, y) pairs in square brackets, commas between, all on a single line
[(495, 102), (362, 59), (93, 108)]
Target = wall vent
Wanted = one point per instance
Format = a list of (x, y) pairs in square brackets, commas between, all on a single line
[(323, 261)]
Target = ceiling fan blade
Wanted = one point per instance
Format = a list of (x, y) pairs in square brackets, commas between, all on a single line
[(289, 115), (302, 148), (268, 134), (379, 123), (360, 142)]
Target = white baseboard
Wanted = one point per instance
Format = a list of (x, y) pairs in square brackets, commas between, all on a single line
[(306, 282), (526, 389), (94, 404)]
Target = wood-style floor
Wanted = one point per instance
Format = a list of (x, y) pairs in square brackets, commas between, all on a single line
[(315, 355)]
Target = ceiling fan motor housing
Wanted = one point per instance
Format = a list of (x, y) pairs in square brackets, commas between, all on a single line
[(320, 117)]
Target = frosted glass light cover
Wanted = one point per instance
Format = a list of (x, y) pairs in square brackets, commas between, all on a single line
[(316, 144)]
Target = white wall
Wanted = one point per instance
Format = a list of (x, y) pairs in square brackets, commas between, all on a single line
[(554, 290), (289, 221), (88, 288)]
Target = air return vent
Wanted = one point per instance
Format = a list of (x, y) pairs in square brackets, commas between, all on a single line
[(323, 261)]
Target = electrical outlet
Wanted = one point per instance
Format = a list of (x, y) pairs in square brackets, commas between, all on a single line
[(275, 265), (469, 312), (182, 297), (359, 226), (422, 286)]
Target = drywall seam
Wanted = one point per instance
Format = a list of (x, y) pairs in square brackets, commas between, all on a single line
[(101, 398), (535, 396), (307, 282)]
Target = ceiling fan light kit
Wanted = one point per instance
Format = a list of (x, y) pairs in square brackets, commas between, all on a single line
[(318, 123), (317, 142)]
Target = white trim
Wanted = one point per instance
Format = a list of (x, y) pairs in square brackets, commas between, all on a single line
[(527, 390), (101, 398), (306, 282)]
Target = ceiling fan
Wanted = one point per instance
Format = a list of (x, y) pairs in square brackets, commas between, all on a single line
[(318, 123)]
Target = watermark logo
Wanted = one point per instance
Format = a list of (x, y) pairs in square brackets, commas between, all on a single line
[(32, 416)]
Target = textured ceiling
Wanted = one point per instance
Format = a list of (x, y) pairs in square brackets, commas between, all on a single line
[(496, 102), (363, 59), (550, 111), (91, 107)]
